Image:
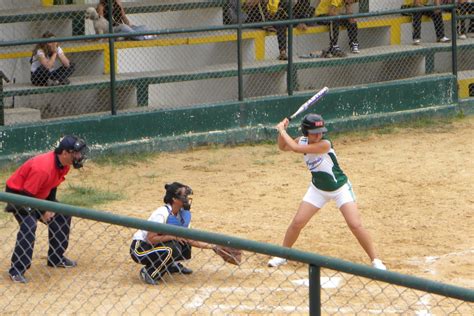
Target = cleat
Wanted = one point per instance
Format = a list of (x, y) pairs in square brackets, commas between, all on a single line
[(64, 263), (416, 41), (462, 37), (18, 278), (145, 277), (276, 262), (378, 264), (179, 268)]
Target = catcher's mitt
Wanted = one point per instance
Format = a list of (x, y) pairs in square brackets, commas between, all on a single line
[(228, 254)]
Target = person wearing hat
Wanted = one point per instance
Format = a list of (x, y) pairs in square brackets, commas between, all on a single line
[(328, 183), (39, 178)]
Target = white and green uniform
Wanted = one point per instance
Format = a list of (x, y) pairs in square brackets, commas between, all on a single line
[(328, 180), (326, 173)]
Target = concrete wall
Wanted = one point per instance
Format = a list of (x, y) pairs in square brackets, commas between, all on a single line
[(249, 121)]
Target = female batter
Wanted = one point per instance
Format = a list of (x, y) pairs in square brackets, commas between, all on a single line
[(328, 183)]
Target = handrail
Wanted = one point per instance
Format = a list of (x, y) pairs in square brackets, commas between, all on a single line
[(219, 27), (249, 245)]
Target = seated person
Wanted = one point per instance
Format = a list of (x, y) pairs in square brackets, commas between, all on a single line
[(120, 22), (435, 15), (254, 11), (43, 60), (333, 8), (161, 253)]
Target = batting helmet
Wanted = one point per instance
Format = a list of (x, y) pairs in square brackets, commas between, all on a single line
[(312, 124)]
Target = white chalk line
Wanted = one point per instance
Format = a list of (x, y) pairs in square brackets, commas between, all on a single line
[(427, 263)]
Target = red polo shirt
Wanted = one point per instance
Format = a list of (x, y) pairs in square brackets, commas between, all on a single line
[(38, 176)]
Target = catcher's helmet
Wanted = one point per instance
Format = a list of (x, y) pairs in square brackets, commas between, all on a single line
[(312, 124)]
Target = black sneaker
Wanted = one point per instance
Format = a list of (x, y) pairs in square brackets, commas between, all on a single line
[(179, 268), (355, 48), (18, 278), (64, 263), (145, 277)]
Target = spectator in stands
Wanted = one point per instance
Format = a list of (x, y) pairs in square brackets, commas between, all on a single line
[(254, 11), (333, 8), (43, 61), (435, 15), (120, 22), (464, 7)]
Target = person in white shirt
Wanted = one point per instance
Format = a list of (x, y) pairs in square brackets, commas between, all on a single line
[(43, 64), (161, 253)]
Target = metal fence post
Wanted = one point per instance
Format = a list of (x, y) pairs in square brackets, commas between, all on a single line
[(314, 290), (2, 113), (113, 109)]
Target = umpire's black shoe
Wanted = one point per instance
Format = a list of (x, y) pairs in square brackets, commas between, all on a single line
[(64, 263), (179, 268)]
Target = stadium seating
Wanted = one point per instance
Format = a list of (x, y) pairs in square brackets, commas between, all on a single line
[(466, 83), (141, 83)]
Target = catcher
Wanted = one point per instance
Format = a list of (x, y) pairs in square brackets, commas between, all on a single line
[(160, 253)]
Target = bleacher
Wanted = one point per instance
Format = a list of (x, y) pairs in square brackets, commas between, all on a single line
[(184, 69)]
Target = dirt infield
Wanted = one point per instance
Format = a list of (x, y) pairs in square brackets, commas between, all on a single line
[(414, 187)]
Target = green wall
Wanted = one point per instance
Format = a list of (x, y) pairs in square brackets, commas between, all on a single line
[(235, 122)]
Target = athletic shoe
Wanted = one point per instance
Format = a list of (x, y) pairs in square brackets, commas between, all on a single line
[(276, 262), (416, 41), (355, 48), (179, 268), (462, 37), (64, 263), (145, 277), (378, 264), (18, 278), (444, 39)]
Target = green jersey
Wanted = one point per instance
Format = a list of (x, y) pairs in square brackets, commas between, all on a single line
[(324, 168)]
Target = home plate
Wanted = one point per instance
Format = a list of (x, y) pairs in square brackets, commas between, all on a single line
[(326, 283)]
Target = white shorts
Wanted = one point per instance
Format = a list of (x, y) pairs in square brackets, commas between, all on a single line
[(319, 198)]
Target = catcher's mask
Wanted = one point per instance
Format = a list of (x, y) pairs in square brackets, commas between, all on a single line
[(74, 144), (180, 192), (184, 196), (312, 124)]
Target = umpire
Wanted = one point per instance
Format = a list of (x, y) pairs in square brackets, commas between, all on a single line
[(39, 178)]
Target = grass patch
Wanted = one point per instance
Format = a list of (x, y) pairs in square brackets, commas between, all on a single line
[(88, 196), (127, 159)]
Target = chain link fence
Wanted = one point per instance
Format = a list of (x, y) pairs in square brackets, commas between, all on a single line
[(187, 53), (106, 280)]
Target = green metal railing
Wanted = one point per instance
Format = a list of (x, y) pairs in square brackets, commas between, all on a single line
[(314, 261)]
